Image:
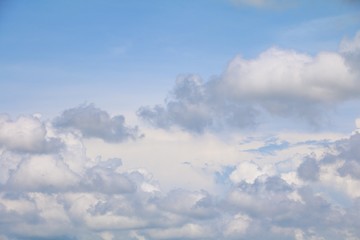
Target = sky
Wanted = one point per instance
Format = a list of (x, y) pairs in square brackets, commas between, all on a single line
[(205, 119)]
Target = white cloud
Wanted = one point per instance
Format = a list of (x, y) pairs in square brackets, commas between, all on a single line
[(69, 193), (26, 134), (279, 82), (246, 171), (280, 74), (42, 173), (237, 226)]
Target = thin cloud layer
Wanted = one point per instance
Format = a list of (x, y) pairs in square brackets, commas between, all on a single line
[(93, 122), (66, 194), (278, 82)]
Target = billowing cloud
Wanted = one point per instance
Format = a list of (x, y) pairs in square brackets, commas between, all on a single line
[(93, 122), (309, 170), (278, 82), (64, 194), (195, 106), (26, 134)]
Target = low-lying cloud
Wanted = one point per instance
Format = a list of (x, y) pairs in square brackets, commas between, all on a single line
[(64, 194)]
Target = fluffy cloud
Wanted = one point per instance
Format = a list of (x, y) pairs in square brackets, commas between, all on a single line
[(195, 106), (64, 194), (287, 75), (309, 170), (279, 82), (245, 171), (93, 122), (26, 134)]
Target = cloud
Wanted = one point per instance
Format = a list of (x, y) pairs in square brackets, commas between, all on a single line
[(237, 226), (309, 170), (26, 134), (345, 158), (196, 205), (350, 49), (278, 82), (247, 172), (278, 75), (93, 122), (195, 107)]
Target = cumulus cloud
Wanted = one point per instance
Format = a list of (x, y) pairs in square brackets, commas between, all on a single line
[(309, 170), (288, 75), (345, 157), (64, 194), (93, 122), (247, 172), (278, 82), (195, 106), (26, 134)]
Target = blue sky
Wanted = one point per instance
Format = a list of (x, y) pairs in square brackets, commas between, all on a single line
[(85, 46), (204, 119)]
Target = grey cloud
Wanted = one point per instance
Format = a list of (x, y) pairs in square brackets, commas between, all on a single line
[(196, 106), (309, 170), (106, 180), (93, 122), (351, 168), (348, 151), (274, 215)]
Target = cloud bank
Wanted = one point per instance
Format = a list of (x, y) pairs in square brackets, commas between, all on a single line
[(64, 194)]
